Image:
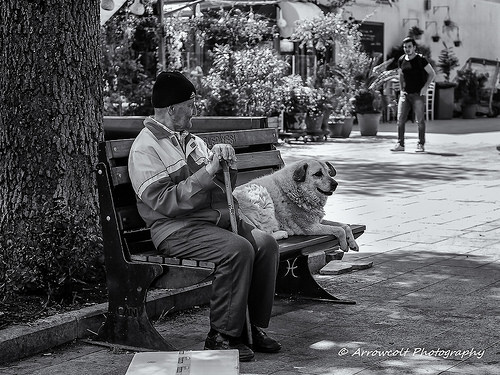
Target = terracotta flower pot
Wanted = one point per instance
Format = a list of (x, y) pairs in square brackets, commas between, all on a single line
[(294, 122), (347, 127), (340, 127), (335, 128), (313, 124), (368, 123), (469, 111)]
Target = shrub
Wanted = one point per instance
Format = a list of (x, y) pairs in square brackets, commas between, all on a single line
[(249, 80), (63, 253)]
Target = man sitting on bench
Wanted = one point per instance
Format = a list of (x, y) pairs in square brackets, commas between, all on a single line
[(181, 197)]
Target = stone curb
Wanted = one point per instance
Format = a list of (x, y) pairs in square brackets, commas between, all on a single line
[(21, 341)]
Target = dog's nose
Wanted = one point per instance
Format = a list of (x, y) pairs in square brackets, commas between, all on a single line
[(334, 185)]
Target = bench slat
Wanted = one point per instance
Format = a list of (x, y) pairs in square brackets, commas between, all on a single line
[(120, 148), (261, 159), (289, 246), (122, 127), (242, 138), (246, 176), (161, 259)]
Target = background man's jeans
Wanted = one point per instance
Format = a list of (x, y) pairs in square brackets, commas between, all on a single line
[(417, 103)]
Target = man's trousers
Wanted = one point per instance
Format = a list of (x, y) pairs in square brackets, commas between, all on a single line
[(246, 268)]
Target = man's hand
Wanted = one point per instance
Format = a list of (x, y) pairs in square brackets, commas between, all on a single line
[(221, 151)]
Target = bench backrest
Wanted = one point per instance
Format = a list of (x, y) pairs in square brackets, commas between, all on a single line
[(256, 153)]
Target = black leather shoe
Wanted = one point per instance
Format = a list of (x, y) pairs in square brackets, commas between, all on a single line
[(218, 341), (262, 342)]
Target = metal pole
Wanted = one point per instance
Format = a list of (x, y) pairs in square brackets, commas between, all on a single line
[(161, 46)]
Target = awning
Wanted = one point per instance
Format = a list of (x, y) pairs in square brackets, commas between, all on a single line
[(107, 14), (294, 11)]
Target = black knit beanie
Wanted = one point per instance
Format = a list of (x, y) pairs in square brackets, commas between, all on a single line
[(171, 88)]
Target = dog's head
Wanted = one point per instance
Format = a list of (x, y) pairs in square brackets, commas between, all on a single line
[(317, 175)]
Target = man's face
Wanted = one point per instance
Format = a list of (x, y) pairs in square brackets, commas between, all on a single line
[(183, 112), (409, 48)]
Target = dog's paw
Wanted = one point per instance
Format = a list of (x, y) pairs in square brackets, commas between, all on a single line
[(340, 233), (280, 234), (344, 246), (352, 244)]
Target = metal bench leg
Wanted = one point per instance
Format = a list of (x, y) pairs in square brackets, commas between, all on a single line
[(127, 322), (295, 279)]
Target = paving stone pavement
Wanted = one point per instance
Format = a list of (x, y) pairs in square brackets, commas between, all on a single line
[(431, 302)]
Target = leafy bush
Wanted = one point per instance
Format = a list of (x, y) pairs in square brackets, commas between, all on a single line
[(469, 84), (62, 254), (249, 80), (128, 46), (297, 96)]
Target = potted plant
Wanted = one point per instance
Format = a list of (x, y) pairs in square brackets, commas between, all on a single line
[(445, 89), (368, 100), (296, 100), (319, 105), (415, 32), (367, 105), (341, 122), (467, 92)]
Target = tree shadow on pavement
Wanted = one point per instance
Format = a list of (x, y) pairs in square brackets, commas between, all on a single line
[(382, 178)]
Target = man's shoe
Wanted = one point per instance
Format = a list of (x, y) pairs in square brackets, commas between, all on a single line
[(218, 341), (262, 342), (398, 147), (420, 148)]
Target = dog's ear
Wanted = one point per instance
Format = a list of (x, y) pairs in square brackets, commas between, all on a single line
[(331, 171), (299, 174)]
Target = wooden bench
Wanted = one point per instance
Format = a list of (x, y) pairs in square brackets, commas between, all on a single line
[(133, 266)]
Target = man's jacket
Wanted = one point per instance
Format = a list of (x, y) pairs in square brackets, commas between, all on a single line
[(171, 182)]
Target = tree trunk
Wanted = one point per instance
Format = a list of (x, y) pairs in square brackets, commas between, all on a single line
[(50, 119)]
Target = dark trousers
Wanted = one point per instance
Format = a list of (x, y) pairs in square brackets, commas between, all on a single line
[(405, 104), (246, 268)]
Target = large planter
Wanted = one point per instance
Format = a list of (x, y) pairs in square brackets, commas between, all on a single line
[(341, 127), (294, 122), (469, 111), (368, 123), (314, 124), (444, 102)]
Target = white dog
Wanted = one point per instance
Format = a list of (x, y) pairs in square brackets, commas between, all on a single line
[(293, 200)]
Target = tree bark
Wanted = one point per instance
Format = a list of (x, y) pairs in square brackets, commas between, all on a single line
[(50, 117)]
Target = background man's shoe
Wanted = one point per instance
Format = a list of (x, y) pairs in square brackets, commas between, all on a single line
[(398, 147), (420, 148), (262, 342), (218, 341)]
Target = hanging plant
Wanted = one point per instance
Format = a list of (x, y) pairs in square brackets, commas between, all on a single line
[(415, 32)]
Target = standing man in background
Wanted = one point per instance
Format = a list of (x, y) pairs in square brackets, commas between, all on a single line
[(415, 75)]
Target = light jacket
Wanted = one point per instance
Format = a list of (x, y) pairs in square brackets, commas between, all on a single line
[(171, 182)]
